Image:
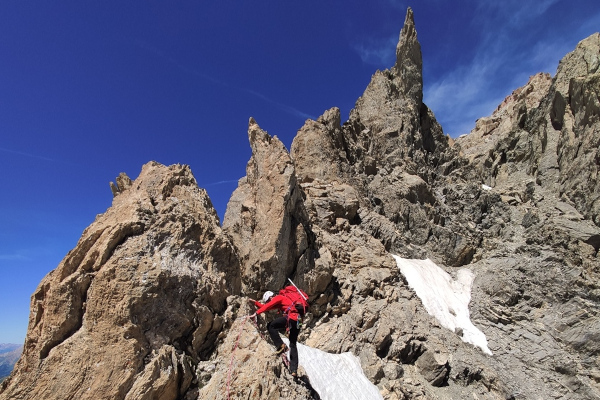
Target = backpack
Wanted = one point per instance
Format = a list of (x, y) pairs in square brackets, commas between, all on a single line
[(295, 295)]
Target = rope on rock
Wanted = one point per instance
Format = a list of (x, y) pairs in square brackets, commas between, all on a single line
[(237, 342), (254, 319)]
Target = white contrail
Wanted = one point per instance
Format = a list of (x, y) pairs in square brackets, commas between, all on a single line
[(21, 153)]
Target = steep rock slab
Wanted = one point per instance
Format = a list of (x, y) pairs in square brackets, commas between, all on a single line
[(266, 217), (577, 114), (490, 133), (546, 133), (137, 302), (318, 150)]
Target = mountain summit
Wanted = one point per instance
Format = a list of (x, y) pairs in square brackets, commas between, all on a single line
[(435, 268)]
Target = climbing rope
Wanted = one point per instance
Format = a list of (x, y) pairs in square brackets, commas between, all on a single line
[(255, 321), (245, 319), (237, 342)]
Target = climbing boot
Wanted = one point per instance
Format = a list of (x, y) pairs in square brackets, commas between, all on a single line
[(282, 349)]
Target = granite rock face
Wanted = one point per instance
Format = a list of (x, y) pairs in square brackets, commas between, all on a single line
[(151, 303)]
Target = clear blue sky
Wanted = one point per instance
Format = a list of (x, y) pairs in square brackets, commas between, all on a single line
[(89, 89)]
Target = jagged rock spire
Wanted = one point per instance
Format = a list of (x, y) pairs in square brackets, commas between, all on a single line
[(394, 97), (266, 216), (409, 61)]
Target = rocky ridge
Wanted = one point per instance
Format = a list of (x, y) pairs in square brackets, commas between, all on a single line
[(9, 355), (150, 303)]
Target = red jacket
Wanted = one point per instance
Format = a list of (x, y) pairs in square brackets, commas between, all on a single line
[(284, 304)]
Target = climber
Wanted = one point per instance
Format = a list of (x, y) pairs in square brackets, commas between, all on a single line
[(292, 303)]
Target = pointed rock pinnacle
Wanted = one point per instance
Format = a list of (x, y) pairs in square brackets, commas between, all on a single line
[(409, 62)]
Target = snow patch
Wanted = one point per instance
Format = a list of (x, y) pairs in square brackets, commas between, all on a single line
[(443, 297), (336, 376)]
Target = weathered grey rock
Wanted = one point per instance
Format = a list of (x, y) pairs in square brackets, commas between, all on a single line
[(434, 368), (579, 139)]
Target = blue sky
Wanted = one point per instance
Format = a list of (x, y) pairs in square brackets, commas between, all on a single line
[(89, 89)]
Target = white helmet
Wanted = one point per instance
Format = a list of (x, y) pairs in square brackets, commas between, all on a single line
[(268, 294)]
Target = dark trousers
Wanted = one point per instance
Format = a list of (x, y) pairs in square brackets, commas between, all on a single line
[(279, 324)]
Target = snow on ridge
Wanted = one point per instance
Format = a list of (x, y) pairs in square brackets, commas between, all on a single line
[(336, 376), (443, 297)]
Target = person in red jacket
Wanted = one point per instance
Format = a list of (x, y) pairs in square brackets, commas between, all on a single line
[(289, 320)]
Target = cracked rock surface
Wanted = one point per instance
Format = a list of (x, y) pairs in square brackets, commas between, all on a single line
[(151, 303)]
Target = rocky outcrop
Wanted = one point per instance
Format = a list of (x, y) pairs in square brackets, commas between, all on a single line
[(247, 369), (151, 302), (266, 217), (139, 300), (576, 113), (547, 132), (537, 258), (489, 135), (9, 355)]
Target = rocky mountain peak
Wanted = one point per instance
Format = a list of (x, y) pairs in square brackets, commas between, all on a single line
[(152, 302), (389, 127), (409, 62), (582, 61), (397, 91)]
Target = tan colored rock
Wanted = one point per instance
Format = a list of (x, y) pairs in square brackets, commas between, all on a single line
[(246, 368), (490, 131), (117, 318), (266, 217), (318, 149), (152, 302)]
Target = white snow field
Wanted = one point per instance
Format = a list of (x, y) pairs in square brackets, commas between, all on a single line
[(336, 376), (443, 297)]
